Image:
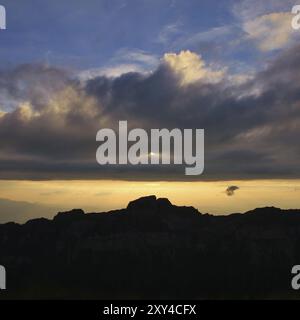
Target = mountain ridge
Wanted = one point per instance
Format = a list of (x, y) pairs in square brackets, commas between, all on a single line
[(152, 249), (147, 202)]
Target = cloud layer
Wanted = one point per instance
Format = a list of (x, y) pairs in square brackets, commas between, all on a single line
[(49, 119)]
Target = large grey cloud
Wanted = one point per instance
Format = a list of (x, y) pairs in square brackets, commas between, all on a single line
[(50, 123)]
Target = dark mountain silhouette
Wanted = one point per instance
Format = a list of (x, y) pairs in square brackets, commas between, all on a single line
[(152, 249)]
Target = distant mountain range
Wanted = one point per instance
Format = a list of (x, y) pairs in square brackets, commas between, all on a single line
[(152, 249), (21, 211)]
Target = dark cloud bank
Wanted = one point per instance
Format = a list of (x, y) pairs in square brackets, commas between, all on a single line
[(50, 121)]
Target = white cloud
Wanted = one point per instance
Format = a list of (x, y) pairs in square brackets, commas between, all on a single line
[(270, 31), (191, 68), (267, 23)]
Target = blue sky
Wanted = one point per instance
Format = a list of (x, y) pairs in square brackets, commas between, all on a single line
[(99, 33)]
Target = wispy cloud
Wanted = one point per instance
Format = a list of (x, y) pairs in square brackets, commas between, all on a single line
[(271, 31), (246, 10), (113, 71), (169, 32), (213, 34), (123, 61), (266, 23)]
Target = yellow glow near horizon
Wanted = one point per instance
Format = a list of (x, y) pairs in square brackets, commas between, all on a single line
[(104, 195)]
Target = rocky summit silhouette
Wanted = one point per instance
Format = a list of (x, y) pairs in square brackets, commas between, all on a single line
[(152, 249)]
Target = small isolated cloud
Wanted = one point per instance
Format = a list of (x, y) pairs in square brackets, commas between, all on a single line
[(231, 189)]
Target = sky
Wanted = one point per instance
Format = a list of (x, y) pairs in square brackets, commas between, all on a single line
[(69, 68)]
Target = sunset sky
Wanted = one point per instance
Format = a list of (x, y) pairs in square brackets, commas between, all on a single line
[(69, 68)]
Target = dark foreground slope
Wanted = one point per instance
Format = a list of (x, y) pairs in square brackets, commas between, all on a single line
[(152, 249)]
